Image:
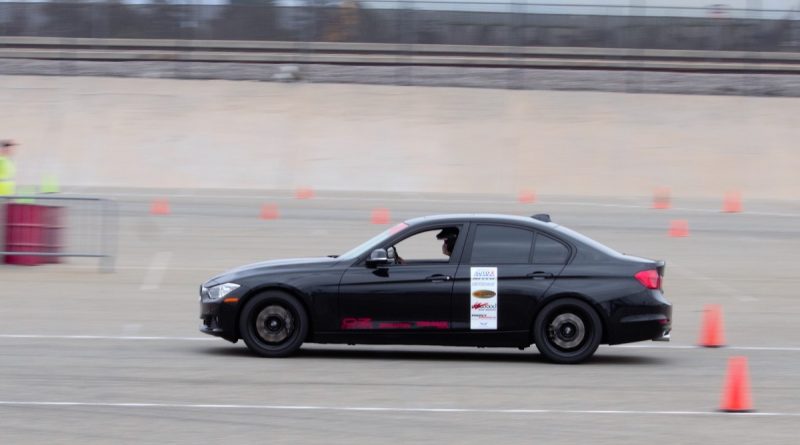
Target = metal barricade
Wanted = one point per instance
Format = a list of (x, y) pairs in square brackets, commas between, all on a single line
[(42, 229), (629, 24)]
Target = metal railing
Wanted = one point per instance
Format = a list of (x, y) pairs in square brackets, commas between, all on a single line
[(618, 24), (58, 227), (386, 54)]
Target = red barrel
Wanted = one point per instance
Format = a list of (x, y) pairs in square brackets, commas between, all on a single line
[(32, 228)]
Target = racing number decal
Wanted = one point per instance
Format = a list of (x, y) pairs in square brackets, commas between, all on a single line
[(483, 298)]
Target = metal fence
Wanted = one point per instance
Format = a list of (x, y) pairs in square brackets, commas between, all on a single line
[(630, 24), (41, 229)]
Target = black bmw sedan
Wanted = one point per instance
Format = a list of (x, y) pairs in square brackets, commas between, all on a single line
[(458, 280)]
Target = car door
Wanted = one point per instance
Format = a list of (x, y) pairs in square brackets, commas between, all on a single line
[(504, 256), (413, 296)]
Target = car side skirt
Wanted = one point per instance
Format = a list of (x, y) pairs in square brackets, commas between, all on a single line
[(508, 339)]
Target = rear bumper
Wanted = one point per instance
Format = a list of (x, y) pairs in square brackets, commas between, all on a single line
[(649, 319)]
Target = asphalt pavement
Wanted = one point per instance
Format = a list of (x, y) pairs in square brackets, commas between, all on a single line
[(89, 357)]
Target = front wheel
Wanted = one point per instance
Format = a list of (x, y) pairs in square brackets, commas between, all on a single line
[(273, 324), (567, 331)]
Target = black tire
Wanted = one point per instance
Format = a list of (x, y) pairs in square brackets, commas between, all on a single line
[(567, 331), (273, 324)]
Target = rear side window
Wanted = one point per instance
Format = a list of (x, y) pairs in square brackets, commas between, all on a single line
[(549, 251), (501, 245)]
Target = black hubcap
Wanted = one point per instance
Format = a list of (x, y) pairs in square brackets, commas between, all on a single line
[(274, 324), (567, 331)]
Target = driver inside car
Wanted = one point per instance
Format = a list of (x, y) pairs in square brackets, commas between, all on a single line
[(448, 235)]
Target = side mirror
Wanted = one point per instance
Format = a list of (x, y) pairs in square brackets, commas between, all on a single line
[(377, 258)]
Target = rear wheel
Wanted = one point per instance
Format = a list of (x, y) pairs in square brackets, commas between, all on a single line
[(567, 331), (273, 324)]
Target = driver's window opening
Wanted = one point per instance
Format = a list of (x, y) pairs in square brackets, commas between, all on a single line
[(435, 245)]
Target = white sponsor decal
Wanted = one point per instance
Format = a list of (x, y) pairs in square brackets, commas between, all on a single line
[(483, 298)]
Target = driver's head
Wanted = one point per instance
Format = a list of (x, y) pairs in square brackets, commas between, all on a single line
[(448, 235)]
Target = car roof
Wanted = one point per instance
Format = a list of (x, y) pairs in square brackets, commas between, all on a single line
[(482, 217), (557, 230)]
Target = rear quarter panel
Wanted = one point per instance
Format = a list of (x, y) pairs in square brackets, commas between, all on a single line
[(610, 288)]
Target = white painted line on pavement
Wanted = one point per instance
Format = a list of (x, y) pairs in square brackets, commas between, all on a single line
[(763, 348), (210, 338), (732, 348), (504, 200), (68, 267), (388, 409), (155, 272), (103, 337), (507, 200)]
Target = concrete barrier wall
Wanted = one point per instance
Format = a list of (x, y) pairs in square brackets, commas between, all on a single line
[(164, 133)]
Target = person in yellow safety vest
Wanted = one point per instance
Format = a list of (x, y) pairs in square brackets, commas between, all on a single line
[(7, 170)]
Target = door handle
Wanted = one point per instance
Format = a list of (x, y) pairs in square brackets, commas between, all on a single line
[(437, 278), (539, 275)]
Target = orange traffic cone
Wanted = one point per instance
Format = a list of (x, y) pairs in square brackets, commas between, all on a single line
[(526, 197), (159, 207), (661, 199), (736, 393), (679, 228), (304, 193), (711, 332), (380, 216), (732, 202), (269, 211)]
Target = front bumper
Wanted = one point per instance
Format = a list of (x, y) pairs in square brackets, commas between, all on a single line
[(219, 319)]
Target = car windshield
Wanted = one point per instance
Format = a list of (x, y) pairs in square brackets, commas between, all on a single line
[(358, 250)]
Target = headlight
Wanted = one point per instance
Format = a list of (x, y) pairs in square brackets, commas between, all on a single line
[(221, 290)]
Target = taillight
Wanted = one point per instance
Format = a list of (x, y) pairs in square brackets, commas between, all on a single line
[(649, 278)]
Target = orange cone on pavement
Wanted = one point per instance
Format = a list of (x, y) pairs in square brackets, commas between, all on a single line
[(304, 193), (732, 202), (269, 211), (712, 332), (527, 197), (380, 216), (736, 393), (661, 199), (160, 207), (679, 228)]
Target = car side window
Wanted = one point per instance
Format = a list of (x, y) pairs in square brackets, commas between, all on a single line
[(549, 251), (501, 245), (429, 246)]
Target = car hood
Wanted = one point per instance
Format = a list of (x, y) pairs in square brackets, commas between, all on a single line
[(270, 266)]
